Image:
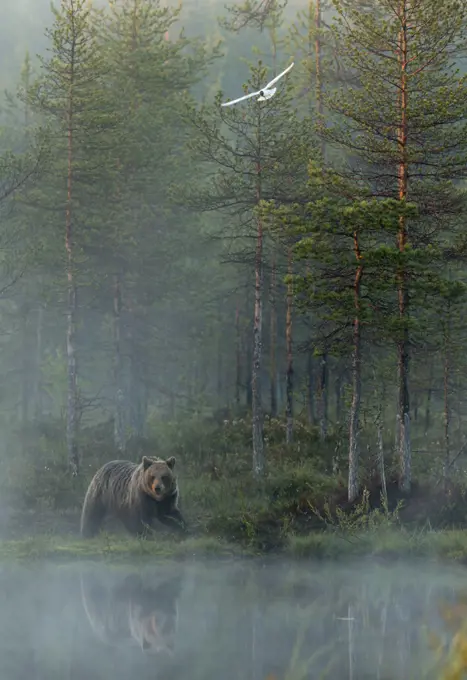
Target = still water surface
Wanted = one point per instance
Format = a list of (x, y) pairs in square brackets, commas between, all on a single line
[(229, 620)]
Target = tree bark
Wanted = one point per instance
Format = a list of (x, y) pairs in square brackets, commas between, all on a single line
[(288, 337), (447, 409), (380, 444), (26, 372), (119, 404), (310, 388), (71, 429), (273, 339), (338, 388), (323, 396), (405, 457), (238, 359), (428, 400), (354, 453), (37, 390), (256, 386)]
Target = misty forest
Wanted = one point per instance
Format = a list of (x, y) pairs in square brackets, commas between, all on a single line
[(274, 293)]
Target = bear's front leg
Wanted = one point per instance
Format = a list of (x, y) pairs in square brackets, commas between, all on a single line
[(174, 519), (137, 526)]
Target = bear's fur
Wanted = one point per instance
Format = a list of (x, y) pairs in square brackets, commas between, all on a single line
[(135, 494)]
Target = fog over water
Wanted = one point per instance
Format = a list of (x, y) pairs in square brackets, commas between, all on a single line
[(249, 620)]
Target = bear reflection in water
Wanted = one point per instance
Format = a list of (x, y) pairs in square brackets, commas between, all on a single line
[(131, 612)]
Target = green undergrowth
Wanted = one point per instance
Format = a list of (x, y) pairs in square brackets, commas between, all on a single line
[(299, 497), (388, 542)]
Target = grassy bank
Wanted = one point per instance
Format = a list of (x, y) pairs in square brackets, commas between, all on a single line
[(389, 543), (299, 507)]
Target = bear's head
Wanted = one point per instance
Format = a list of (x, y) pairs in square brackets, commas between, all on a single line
[(159, 480)]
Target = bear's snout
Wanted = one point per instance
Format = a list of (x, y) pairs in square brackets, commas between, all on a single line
[(158, 487)]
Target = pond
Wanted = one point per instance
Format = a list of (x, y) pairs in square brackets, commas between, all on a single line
[(246, 620)]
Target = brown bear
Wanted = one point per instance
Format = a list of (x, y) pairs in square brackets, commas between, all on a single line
[(135, 494)]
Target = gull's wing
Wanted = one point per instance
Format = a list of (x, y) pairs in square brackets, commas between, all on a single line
[(240, 99), (269, 85)]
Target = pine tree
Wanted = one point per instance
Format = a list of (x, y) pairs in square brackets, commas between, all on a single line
[(70, 96), (245, 166), (403, 125), (152, 75)]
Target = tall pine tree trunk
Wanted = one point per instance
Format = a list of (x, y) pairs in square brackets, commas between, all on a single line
[(323, 385), (220, 368), (26, 372), (338, 392), (119, 403), (37, 389), (238, 359), (72, 400), (354, 453), (428, 399), (447, 406), (288, 338), (310, 386), (404, 450), (256, 383), (323, 395), (273, 339)]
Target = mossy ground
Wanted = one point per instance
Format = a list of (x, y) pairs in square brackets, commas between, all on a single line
[(385, 543)]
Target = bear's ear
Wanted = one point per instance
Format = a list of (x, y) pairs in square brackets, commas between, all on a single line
[(147, 462), (171, 462)]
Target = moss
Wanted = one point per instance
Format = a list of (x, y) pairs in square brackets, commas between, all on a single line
[(110, 547), (388, 543)]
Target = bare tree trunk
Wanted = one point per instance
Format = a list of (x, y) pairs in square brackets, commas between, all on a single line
[(249, 376), (288, 338), (447, 406), (415, 403), (37, 391), (119, 405), (323, 386), (354, 453), (71, 428), (428, 400), (310, 388), (26, 372), (220, 368), (273, 322), (338, 387), (256, 386), (405, 457), (380, 444), (323, 396), (238, 359)]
